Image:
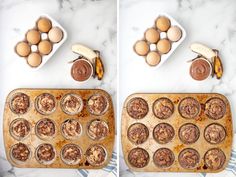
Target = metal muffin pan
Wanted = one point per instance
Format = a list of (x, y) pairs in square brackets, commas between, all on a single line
[(33, 139), (185, 136)]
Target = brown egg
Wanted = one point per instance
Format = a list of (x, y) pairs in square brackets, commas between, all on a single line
[(23, 49), (141, 48), (55, 35), (152, 35), (34, 59), (163, 23), (45, 47), (153, 58), (33, 36), (164, 46), (44, 24)]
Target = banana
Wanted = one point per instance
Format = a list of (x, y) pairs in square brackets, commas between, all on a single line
[(218, 67), (84, 51), (99, 68), (203, 50)]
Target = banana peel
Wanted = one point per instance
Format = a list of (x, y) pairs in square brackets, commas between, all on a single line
[(99, 68), (218, 67)]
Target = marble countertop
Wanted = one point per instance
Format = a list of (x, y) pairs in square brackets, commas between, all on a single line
[(211, 22), (89, 22)]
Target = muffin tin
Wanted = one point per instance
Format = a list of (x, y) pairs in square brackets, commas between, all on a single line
[(175, 132), (41, 41), (59, 128), (157, 37)]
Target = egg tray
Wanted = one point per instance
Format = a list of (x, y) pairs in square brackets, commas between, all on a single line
[(55, 46), (58, 116), (176, 121), (163, 35)]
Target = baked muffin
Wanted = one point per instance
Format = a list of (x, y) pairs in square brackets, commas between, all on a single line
[(138, 133), (45, 154), (189, 158), (72, 104), (71, 154), (163, 158), (96, 155), (45, 103), (98, 129), (71, 129), (163, 133), (98, 104), (214, 159), (215, 108), (214, 133), (20, 128), (20, 152), (45, 129), (189, 108), (189, 133), (138, 157), (163, 108), (137, 108), (20, 103)]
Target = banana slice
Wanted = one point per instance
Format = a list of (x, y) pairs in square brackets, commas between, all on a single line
[(84, 51), (203, 50), (218, 67)]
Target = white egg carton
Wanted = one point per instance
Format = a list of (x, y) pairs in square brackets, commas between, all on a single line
[(163, 35), (55, 46)]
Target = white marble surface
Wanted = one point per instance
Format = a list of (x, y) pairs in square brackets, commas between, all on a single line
[(211, 22), (88, 22)]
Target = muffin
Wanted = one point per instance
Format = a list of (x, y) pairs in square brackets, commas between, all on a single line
[(45, 154), (189, 108), (138, 133), (138, 157), (163, 108), (215, 108), (214, 159), (163, 133), (72, 104), (189, 158), (96, 155), (20, 128), (71, 129), (163, 158), (98, 104), (189, 133), (214, 133), (45, 129), (71, 154), (20, 152), (45, 103), (98, 129), (20, 103), (137, 108)]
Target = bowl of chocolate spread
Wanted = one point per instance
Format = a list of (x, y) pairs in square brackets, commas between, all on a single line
[(81, 70), (200, 69)]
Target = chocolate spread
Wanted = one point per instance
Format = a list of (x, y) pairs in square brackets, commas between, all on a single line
[(200, 69), (81, 70)]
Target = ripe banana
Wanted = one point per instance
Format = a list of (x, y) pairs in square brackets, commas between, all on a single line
[(84, 51), (203, 50), (218, 67), (99, 68)]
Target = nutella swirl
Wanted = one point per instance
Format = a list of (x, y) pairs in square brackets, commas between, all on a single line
[(81, 70), (200, 69)]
